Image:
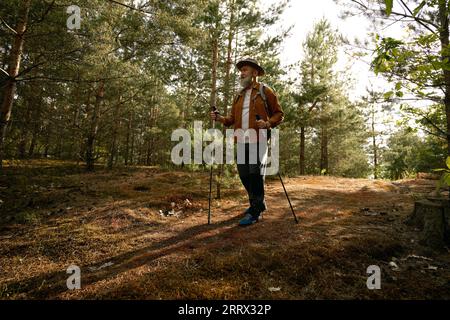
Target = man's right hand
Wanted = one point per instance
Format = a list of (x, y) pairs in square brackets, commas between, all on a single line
[(216, 117)]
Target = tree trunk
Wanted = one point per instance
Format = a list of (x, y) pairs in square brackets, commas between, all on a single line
[(21, 149), (59, 143), (92, 134), (444, 38), (127, 144), (324, 150), (13, 71), (113, 148), (139, 156), (213, 97), (152, 119), (37, 128), (47, 143), (132, 139), (375, 149), (227, 89), (302, 150), (75, 126), (149, 153), (432, 216), (236, 44)]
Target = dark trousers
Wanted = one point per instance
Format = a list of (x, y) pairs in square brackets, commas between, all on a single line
[(252, 176)]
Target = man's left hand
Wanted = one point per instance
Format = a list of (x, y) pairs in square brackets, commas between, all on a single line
[(261, 124)]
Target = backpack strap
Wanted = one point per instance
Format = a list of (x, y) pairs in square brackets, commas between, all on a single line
[(262, 93)]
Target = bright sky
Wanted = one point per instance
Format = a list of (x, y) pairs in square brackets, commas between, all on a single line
[(303, 15)]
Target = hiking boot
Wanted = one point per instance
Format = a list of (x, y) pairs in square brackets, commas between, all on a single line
[(248, 220), (248, 211)]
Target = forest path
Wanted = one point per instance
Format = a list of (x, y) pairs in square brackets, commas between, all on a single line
[(109, 224)]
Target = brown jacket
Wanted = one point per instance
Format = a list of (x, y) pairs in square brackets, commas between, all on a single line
[(256, 107)]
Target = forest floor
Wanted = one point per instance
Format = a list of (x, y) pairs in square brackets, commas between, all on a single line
[(109, 223)]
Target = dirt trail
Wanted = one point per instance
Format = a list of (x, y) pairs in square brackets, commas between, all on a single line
[(110, 225)]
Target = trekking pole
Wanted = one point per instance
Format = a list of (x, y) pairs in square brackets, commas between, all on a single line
[(285, 192), (213, 108), (258, 117)]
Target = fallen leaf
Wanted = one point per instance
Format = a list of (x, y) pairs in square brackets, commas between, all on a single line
[(418, 257), (393, 265), (108, 264)]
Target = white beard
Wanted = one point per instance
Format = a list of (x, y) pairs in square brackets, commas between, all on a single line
[(245, 82)]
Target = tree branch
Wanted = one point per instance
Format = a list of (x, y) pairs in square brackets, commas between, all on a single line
[(4, 71), (7, 26), (403, 77), (445, 134), (360, 4), (434, 99), (130, 7), (27, 70), (313, 105), (74, 80), (420, 21), (435, 134), (45, 13)]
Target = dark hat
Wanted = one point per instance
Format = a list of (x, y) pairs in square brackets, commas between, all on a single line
[(250, 62)]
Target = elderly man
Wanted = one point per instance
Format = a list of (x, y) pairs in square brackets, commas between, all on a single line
[(250, 111)]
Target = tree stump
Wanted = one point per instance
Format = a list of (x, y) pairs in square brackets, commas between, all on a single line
[(432, 216)]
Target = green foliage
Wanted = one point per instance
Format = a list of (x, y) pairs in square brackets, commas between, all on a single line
[(322, 107), (28, 217), (122, 49), (389, 5), (419, 63), (156, 71), (407, 154), (386, 54), (445, 177)]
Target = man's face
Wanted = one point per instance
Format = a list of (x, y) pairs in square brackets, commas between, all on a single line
[(247, 74), (248, 71)]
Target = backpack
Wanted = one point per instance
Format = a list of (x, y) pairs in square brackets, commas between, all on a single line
[(262, 93)]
